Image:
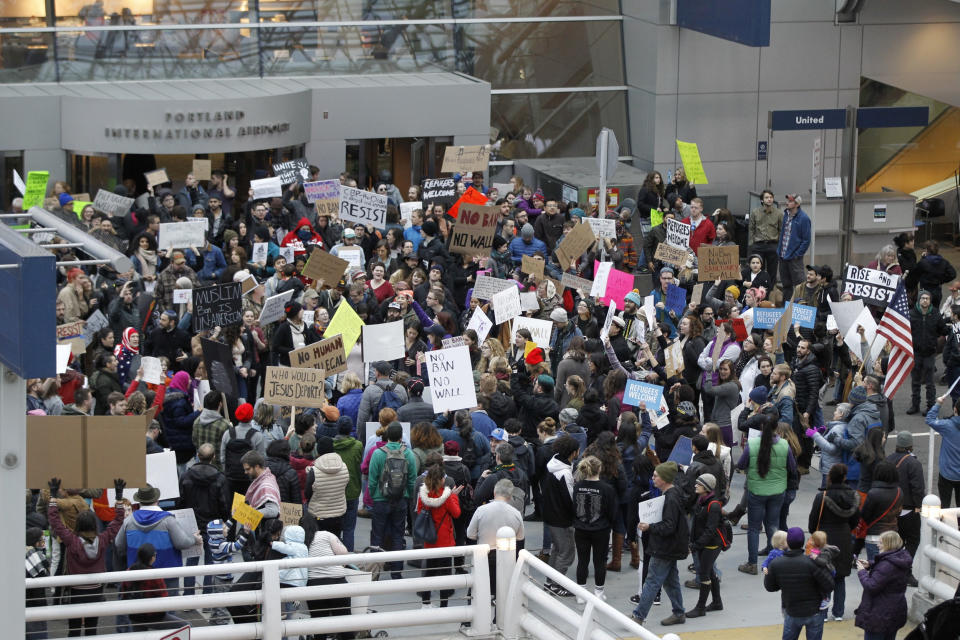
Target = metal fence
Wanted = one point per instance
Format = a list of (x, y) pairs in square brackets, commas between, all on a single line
[(938, 559)]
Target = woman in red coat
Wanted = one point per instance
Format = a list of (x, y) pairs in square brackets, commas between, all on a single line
[(444, 505)]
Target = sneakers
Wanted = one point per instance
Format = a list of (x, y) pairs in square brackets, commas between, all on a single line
[(634, 617), (598, 591), (674, 619), (692, 584), (838, 618), (913, 410), (557, 590), (748, 567), (635, 598), (656, 601)]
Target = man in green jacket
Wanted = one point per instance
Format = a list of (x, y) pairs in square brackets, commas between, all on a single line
[(390, 496), (350, 451)]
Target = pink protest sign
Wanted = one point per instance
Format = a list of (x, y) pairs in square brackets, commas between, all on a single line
[(619, 284)]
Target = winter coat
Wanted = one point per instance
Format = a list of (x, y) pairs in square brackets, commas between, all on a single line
[(502, 407), (839, 516), (371, 400), (594, 420), (883, 608), (326, 484), (287, 479), (556, 491), (177, 418), (444, 507), (669, 538), (931, 272), (705, 462), (595, 505), (807, 378), (82, 556), (861, 417), (511, 472), (282, 342), (691, 353), (926, 329), (416, 410), (103, 383), (350, 451), (481, 447), (881, 508), (569, 367), (520, 247), (293, 240), (912, 482), (524, 456), (802, 583), (707, 513), (205, 489), (533, 407), (349, 404)]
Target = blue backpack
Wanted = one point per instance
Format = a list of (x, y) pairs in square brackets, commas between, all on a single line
[(389, 400)]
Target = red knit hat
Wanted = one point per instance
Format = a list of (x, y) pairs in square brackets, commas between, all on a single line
[(244, 412), (534, 357)]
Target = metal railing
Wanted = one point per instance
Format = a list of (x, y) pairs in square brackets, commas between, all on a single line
[(937, 554)]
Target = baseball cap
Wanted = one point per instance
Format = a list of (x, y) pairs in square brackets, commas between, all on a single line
[(498, 434)]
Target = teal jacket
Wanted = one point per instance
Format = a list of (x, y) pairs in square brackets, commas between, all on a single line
[(376, 468)]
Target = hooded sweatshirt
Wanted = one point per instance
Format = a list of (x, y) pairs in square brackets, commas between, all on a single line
[(160, 529), (84, 555), (292, 239), (293, 546), (330, 479), (444, 506)]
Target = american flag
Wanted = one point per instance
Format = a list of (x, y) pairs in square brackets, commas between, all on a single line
[(895, 327)]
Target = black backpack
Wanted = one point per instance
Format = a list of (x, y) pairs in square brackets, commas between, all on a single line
[(468, 454), (725, 530), (233, 452), (393, 477)]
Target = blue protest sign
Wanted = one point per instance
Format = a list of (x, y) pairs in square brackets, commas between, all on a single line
[(637, 392), (676, 299), (682, 452), (806, 316), (765, 318)]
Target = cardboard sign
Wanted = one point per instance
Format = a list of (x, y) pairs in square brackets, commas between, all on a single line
[(219, 305), (485, 287), (266, 188), (692, 165), (618, 284), (673, 359), (575, 244), (272, 310), (328, 355), (325, 267), (221, 373), (783, 326), (347, 323), (290, 513), (152, 370), (697, 295), (540, 330), (156, 177), (182, 296), (676, 299), (451, 379), (111, 203), (718, 262), (466, 159), (183, 235), (244, 513), (383, 341), (506, 305), (442, 191), (651, 511), (294, 387), (571, 281), (202, 168), (532, 266), (671, 255), (123, 437), (36, 189), (363, 207), (188, 522), (637, 392), (603, 228), (480, 323), (804, 315), (873, 286), (474, 231), (324, 195), (70, 330), (292, 171), (529, 302), (678, 233), (455, 341), (766, 318)]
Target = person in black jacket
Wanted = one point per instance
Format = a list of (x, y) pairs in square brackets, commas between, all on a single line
[(278, 461), (535, 403), (705, 542), (926, 327), (802, 583), (556, 489), (912, 486), (808, 378), (651, 196), (204, 489), (595, 507), (289, 335), (505, 468), (931, 272), (836, 512), (669, 540)]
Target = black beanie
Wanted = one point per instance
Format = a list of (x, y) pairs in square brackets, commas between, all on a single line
[(324, 445)]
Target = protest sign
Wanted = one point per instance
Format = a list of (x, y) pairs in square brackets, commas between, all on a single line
[(611, 314), (383, 341), (309, 316), (152, 370), (782, 326), (451, 379), (36, 189), (407, 209), (673, 359), (292, 171), (111, 203), (442, 191), (845, 313), (670, 255), (244, 513), (529, 302), (455, 341), (188, 522), (603, 228), (601, 272), (692, 165), (574, 244), (676, 299), (697, 295), (294, 387), (766, 318), (650, 310), (618, 284), (325, 194), (353, 256), (272, 310), (287, 253), (202, 168), (156, 177), (682, 452), (637, 392), (532, 266), (480, 323), (219, 305), (466, 159), (55, 446), (95, 322), (853, 339), (291, 513), (363, 207), (260, 252), (873, 286), (182, 296), (63, 357), (72, 334), (328, 355), (486, 286), (651, 511), (540, 330), (506, 305), (161, 473), (678, 233), (348, 324), (18, 182), (805, 316), (474, 231), (183, 235), (718, 262), (571, 281), (218, 359), (266, 188), (832, 323), (325, 267)]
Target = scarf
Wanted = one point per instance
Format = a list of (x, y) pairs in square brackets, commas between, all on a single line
[(263, 490), (125, 344), (181, 382), (148, 262)]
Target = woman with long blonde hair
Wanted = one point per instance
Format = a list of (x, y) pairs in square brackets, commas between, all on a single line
[(489, 349)]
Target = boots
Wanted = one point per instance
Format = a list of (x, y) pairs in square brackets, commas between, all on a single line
[(617, 552), (634, 555), (735, 515), (716, 604), (700, 609)]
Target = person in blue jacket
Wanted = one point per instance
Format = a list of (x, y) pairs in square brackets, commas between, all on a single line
[(948, 480), (793, 243), (526, 245), (213, 263)]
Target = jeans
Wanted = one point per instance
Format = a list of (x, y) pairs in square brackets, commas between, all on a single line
[(389, 518), (660, 573), (761, 511), (350, 523), (220, 615), (839, 595), (922, 374), (792, 626)]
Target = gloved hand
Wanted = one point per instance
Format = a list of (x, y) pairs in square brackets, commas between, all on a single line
[(54, 485), (810, 432), (118, 485), (822, 428)]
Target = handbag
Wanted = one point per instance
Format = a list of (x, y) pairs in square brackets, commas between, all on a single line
[(424, 528), (860, 531)]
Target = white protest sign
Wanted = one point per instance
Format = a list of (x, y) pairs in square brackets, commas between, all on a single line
[(383, 341), (611, 313), (845, 313), (182, 296), (260, 252), (407, 208), (528, 301), (95, 322), (506, 305), (112, 203), (161, 474), (833, 187), (273, 307), (832, 323), (183, 235), (451, 379), (63, 357), (454, 341), (353, 255), (603, 228), (152, 370), (288, 254), (19, 183), (852, 337), (651, 511), (486, 286), (188, 522), (480, 323), (308, 317), (650, 310), (266, 188), (363, 207), (600, 276), (678, 233), (540, 330), (874, 286)]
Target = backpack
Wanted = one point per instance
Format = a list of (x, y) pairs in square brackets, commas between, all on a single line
[(236, 447), (468, 454), (424, 527), (518, 499), (725, 530), (393, 477), (389, 400)]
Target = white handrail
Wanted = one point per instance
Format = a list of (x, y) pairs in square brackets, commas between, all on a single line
[(931, 557)]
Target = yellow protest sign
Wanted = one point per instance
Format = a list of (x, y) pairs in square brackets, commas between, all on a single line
[(36, 189), (656, 218), (692, 166), (244, 513), (347, 323), (528, 347), (238, 500)]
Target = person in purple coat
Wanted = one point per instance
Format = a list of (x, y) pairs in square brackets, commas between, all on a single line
[(883, 609)]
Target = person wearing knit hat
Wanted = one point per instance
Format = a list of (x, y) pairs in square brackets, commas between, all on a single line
[(667, 471), (64, 198), (707, 480), (544, 384), (527, 231), (244, 412), (559, 316), (526, 244), (577, 212), (795, 538), (686, 408), (534, 357), (758, 395), (734, 291), (634, 297), (857, 395), (244, 416), (451, 448), (430, 228), (330, 413)]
